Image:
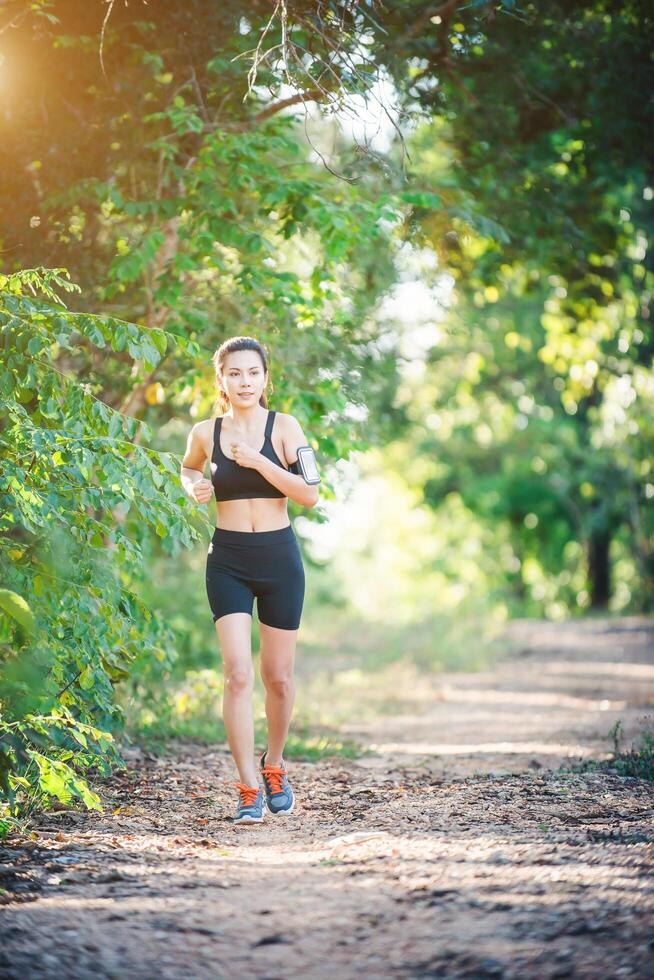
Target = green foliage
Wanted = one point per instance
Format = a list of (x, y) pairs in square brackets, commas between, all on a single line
[(185, 209), (79, 497), (540, 392)]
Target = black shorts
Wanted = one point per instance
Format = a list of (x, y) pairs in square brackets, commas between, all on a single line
[(265, 564)]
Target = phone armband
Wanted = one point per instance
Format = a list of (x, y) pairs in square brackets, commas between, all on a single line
[(305, 465)]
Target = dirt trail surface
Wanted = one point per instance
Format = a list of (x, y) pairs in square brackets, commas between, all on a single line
[(466, 847)]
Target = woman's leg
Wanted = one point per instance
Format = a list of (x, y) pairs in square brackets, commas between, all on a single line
[(279, 609), (277, 665), (235, 636)]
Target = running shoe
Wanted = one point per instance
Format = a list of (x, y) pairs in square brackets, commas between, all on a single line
[(279, 795), (250, 804)]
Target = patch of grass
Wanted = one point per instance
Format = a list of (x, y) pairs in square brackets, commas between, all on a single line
[(308, 745), (158, 736), (189, 710), (637, 762), (301, 745)]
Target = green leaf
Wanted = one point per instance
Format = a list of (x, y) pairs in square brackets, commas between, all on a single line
[(14, 606), (87, 678)]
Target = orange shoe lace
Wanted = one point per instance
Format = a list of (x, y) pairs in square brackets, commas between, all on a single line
[(248, 793), (274, 774)]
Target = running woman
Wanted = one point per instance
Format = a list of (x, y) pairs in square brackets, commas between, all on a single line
[(255, 466)]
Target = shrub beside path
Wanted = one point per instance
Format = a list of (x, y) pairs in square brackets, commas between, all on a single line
[(470, 844)]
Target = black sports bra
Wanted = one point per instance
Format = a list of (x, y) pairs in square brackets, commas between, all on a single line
[(234, 482)]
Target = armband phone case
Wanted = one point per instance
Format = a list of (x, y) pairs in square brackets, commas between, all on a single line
[(308, 465)]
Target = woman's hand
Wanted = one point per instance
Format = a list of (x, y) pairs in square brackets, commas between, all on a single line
[(202, 491), (245, 455)]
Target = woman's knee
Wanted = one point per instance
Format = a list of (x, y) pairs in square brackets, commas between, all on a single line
[(279, 684), (239, 678)]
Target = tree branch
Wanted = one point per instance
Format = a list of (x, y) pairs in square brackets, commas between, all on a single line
[(314, 95)]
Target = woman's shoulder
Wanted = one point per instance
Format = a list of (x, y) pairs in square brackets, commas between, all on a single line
[(205, 431), (206, 425), (291, 430), (286, 423), (285, 418)]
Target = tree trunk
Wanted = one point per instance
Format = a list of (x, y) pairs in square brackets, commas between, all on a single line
[(599, 568)]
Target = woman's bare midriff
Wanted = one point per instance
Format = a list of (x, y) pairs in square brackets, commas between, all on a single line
[(255, 514)]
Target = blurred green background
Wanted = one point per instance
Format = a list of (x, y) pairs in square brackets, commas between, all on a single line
[(438, 220)]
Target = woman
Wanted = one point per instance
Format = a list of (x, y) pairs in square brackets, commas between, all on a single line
[(255, 466)]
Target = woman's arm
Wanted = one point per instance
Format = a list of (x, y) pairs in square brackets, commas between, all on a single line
[(292, 485), (192, 472)]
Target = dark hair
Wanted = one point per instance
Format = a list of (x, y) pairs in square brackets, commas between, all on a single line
[(228, 347)]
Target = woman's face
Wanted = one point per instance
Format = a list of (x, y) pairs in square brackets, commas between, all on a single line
[(243, 378)]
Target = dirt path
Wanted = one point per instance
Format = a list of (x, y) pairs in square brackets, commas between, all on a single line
[(460, 850)]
